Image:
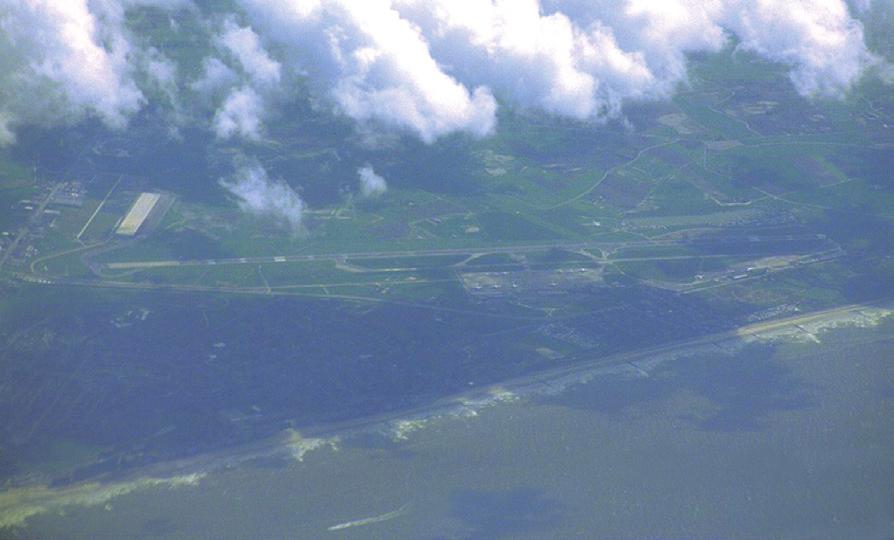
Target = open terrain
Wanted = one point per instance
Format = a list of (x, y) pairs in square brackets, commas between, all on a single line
[(549, 245)]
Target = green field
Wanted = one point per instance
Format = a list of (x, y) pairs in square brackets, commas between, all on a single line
[(663, 203)]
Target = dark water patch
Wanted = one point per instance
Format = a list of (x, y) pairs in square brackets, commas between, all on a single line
[(268, 463), (615, 394), (743, 389), (156, 528), (491, 515), (379, 442)]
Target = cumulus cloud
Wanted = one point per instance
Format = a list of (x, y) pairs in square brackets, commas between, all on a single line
[(216, 77), (240, 115), (861, 6), (375, 65), (62, 60), (427, 67), (538, 60), (585, 58), (371, 184), (260, 195), (243, 43), (161, 72), (55, 65), (818, 38), (433, 66), (242, 91)]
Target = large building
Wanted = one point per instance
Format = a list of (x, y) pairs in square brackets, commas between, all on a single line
[(137, 214)]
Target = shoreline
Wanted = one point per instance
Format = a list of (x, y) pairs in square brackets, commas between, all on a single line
[(21, 502)]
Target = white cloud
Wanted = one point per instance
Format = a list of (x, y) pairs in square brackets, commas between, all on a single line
[(375, 65), (818, 38), (861, 6), (55, 65), (162, 71), (371, 184), (163, 83), (241, 94), (431, 66), (428, 67), (61, 60), (537, 60), (216, 78), (243, 43), (584, 58), (260, 195), (240, 115), (886, 73)]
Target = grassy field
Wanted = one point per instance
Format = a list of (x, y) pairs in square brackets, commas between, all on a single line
[(715, 162)]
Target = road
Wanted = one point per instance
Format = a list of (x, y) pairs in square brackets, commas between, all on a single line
[(23, 232), (98, 207)]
